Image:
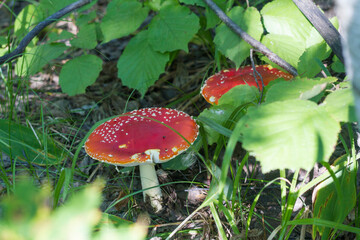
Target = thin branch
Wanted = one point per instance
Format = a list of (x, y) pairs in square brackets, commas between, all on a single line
[(250, 40), (38, 28)]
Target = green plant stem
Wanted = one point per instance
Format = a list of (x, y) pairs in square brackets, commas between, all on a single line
[(237, 178), (283, 193), (291, 199)]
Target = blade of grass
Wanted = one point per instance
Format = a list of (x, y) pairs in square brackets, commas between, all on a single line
[(229, 217), (218, 223), (325, 223), (251, 211)]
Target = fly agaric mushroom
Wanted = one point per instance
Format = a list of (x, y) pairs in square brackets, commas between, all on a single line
[(220, 83), (143, 137)]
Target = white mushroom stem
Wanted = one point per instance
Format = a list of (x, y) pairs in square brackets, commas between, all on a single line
[(149, 179)]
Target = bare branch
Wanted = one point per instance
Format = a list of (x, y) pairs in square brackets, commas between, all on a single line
[(250, 40), (38, 28)]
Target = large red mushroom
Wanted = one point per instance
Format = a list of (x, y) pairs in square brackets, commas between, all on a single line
[(143, 137), (220, 83)]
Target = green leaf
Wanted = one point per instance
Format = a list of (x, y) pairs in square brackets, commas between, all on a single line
[(211, 18), (240, 95), (290, 34), (140, 66), (328, 204), (285, 47), (173, 28), (289, 134), (340, 105), (184, 160), (282, 17), (299, 88), (37, 57), (85, 19), (27, 145), (79, 73), (26, 214), (122, 18), (156, 5), (86, 37), (50, 6), (53, 36), (219, 114), (337, 65), (27, 19), (181, 162), (200, 3), (308, 66), (216, 182), (230, 44)]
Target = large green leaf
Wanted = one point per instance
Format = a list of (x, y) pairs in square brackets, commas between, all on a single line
[(37, 57), (340, 105), (79, 73), (27, 145), (286, 47), (140, 66), (329, 204), (122, 18), (229, 43), (299, 88), (289, 134), (173, 28), (86, 37), (282, 17), (292, 37)]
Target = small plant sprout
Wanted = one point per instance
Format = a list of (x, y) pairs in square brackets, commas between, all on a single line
[(220, 83), (143, 137)]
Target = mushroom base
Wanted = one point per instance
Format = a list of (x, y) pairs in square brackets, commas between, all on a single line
[(150, 180)]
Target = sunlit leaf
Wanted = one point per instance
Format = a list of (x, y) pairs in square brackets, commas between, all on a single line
[(299, 88), (340, 105), (289, 134), (38, 57)]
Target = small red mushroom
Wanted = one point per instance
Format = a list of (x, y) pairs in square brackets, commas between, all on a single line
[(220, 83), (143, 137)]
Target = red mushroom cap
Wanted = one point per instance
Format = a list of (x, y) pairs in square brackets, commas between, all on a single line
[(218, 84), (132, 139)]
